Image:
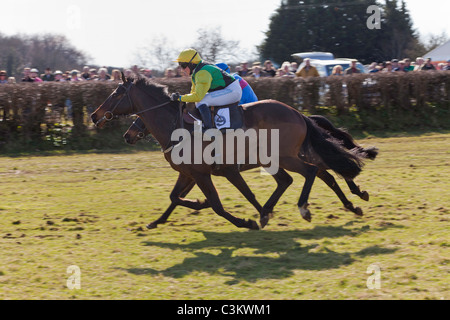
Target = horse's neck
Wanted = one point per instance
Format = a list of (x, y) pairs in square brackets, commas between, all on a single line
[(160, 123)]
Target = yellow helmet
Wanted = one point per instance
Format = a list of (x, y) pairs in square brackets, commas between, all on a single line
[(189, 56)]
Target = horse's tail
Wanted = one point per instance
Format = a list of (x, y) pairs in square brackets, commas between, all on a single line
[(371, 152), (344, 137), (319, 143)]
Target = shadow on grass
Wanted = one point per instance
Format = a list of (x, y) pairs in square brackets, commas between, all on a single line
[(275, 254)]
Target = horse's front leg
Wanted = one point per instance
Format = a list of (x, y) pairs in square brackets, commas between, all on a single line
[(205, 184), (234, 176)]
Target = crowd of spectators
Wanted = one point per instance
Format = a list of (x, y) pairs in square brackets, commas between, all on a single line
[(405, 65), (87, 74), (267, 69), (290, 69), (257, 70)]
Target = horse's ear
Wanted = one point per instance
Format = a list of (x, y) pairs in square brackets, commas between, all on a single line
[(123, 77)]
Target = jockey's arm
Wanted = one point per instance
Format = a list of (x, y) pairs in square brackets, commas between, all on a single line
[(200, 88)]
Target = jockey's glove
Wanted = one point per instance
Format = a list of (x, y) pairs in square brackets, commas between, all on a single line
[(175, 96)]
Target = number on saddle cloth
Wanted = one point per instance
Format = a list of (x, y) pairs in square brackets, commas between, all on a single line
[(228, 117), (225, 117)]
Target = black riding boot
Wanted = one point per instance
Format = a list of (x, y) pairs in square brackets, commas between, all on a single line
[(205, 112)]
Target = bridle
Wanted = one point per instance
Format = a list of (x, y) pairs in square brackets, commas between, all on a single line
[(141, 133), (109, 115)]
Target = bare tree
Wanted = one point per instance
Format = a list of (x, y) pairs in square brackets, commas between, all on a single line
[(435, 40), (39, 51), (157, 54), (54, 51), (214, 48), (12, 56)]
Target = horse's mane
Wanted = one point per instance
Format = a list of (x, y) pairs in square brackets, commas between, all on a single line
[(151, 87)]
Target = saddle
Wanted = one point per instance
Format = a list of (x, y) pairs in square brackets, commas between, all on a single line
[(224, 117)]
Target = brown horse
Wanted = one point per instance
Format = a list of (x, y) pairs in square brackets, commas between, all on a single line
[(303, 146), (138, 131)]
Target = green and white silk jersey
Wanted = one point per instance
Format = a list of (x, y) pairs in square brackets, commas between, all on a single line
[(206, 78)]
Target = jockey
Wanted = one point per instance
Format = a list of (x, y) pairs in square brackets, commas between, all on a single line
[(248, 95), (211, 86)]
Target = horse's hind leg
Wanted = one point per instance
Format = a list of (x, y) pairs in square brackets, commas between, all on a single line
[(184, 182), (205, 184), (183, 186), (308, 171), (331, 182), (284, 180), (355, 190)]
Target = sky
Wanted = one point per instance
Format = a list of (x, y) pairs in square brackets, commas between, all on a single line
[(110, 32)]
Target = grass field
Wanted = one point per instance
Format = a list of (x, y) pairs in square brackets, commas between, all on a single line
[(90, 210)]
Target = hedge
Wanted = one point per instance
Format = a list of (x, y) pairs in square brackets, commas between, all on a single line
[(55, 115)]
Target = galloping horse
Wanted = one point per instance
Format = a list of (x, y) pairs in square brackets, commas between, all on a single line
[(303, 146), (138, 131)]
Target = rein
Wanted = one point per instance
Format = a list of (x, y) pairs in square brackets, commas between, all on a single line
[(151, 108)]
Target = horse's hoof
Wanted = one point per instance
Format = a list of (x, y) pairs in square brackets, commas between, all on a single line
[(266, 215), (358, 211), (263, 221), (253, 225), (306, 214), (152, 225), (365, 196)]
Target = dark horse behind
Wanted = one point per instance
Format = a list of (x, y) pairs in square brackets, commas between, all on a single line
[(304, 147)]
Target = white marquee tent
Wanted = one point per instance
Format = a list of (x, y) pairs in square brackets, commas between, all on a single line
[(441, 53)]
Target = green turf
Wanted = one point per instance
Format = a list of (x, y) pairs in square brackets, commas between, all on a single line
[(90, 210)]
